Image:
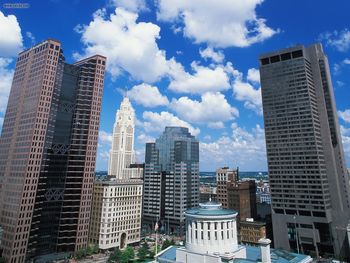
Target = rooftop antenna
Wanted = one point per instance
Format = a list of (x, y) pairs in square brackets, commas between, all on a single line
[(209, 193), (126, 92)]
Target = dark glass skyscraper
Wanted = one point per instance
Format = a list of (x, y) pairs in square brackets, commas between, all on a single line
[(47, 152), (171, 178), (309, 183)]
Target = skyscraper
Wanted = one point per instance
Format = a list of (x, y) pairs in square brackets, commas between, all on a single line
[(309, 184), (121, 191), (171, 179), (47, 152), (122, 153)]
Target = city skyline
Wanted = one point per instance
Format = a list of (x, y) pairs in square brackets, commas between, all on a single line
[(227, 111)]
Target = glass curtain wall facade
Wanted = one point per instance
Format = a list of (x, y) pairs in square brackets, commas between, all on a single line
[(47, 152), (171, 179)]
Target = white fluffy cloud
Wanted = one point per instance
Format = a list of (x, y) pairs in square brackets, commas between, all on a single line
[(156, 122), (338, 39), (344, 115), (147, 95), (253, 75), (10, 36), (213, 109), (105, 137), (345, 132), (221, 23), (203, 79), (6, 75), (104, 155), (132, 48), (103, 148), (245, 91), (131, 5), (247, 149), (144, 138), (216, 125), (129, 46), (210, 53), (346, 61), (31, 37)]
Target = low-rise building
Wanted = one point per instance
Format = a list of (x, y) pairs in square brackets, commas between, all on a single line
[(241, 197), (211, 237), (207, 193), (252, 231), (116, 213)]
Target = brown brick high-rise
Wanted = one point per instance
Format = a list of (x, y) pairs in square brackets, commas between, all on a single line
[(47, 152)]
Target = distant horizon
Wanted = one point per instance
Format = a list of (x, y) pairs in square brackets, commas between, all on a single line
[(204, 171)]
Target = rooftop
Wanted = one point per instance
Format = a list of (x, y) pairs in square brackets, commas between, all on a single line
[(253, 255), (253, 223), (210, 209), (111, 181), (277, 256)]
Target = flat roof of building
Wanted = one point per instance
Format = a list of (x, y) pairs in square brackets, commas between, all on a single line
[(253, 223), (108, 181), (253, 255), (277, 256)]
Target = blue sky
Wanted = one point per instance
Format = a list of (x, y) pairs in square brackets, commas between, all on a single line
[(185, 62)]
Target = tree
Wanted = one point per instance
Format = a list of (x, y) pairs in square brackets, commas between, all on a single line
[(145, 245), (122, 256), (81, 253), (167, 243), (115, 256), (151, 254), (95, 249), (142, 253), (129, 253), (91, 249)]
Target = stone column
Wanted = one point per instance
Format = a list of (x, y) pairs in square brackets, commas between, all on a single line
[(205, 233), (193, 233), (219, 234), (226, 238), (212, 236), (188, 233), (199, 228), (234, 231)]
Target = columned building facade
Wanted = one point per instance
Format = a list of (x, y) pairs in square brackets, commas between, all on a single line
[(211, 237), (210, 229), (308, 179), (116, 213)]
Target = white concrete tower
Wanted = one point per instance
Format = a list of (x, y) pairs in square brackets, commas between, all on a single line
[(122, 153)]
